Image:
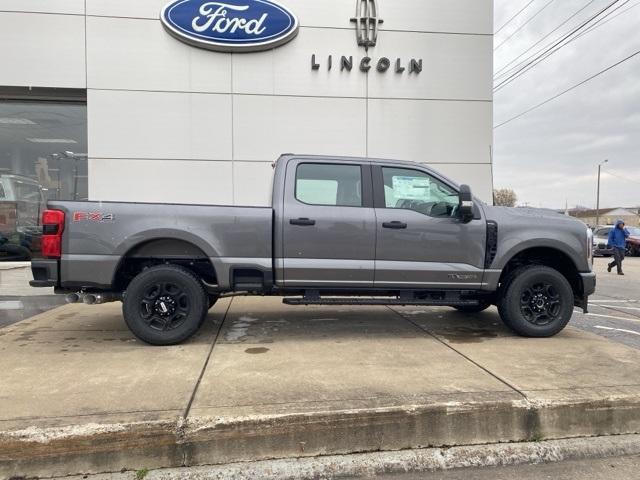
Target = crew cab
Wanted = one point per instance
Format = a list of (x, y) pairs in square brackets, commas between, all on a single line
[(340, 231)]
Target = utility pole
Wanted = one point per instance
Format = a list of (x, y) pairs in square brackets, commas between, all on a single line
[(598, 194)]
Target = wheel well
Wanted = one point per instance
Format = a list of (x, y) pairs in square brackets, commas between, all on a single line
[(163, 251), (549, 257)]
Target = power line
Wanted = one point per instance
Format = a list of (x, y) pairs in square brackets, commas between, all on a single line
[(514, 17), (601, 72), (504, 67), (548, 51), (602, 23), (620, 177), (524, 24)]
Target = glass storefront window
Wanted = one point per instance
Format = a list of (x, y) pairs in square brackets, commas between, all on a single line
[(43, 147)]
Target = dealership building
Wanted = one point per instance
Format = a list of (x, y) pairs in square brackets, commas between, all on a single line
[(131, 100)]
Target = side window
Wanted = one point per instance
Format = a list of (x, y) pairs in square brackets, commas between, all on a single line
[(415, 190), (329, 184)]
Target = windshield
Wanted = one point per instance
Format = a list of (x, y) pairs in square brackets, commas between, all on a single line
[(635, 231)]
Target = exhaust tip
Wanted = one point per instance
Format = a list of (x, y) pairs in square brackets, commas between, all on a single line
[(72, 298), (90, 299)]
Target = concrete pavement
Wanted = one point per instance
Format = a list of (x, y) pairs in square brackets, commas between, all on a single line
[(621, 468), (261, 380), (570, 459)]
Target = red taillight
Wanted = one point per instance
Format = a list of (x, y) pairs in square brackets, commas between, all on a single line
[(52, 228)]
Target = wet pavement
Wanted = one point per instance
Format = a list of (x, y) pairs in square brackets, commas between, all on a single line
[(14, 309), (263, 380), (614, 310), (18, 300)]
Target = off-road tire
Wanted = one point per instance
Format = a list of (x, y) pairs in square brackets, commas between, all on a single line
[(183, 290), (481, 307), (514, 295)]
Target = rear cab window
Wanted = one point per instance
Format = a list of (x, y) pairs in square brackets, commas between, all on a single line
[(329, 184)]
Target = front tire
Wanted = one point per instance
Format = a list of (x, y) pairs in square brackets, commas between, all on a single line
[(165, 305), (536, 301)]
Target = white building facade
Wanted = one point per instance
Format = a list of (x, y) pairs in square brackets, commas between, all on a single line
[(152, 118)]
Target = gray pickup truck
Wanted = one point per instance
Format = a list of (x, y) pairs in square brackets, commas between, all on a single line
[(340, 231)]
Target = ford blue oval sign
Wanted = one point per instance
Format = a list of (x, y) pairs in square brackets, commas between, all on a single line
[(230, 25)]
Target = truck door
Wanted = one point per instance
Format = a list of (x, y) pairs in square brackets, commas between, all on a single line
[(421, 242), (328, 225)]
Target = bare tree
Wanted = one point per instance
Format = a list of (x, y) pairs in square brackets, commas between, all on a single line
[(504, 197)]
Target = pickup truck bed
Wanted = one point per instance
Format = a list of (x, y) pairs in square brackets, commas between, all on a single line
[(99, 235)]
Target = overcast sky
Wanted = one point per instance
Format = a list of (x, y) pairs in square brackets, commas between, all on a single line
[(550, 155)]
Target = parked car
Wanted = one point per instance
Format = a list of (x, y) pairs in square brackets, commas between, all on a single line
[(600, 239), (340, 231), (633, 242), (22, 202)]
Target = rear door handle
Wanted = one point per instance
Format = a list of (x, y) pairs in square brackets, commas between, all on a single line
[(303, 222), (395, 225)]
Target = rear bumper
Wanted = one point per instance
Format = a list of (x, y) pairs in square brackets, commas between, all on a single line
[(46, 273)]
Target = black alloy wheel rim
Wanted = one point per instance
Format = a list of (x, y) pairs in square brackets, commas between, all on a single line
[(541, 304), (164, 306)]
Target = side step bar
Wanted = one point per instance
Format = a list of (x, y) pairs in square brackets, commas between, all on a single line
[(380, 301)]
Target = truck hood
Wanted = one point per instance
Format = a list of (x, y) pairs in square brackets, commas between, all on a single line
[(533, 215)]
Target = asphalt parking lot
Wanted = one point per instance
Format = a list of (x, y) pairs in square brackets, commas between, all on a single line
[(614, 311)]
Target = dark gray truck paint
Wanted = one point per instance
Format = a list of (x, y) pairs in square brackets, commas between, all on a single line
[(297, 246)]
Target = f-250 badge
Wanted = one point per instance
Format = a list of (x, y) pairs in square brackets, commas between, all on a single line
[(467, 276), (93, 217)]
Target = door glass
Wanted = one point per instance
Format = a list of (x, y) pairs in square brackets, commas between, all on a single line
[(329, 184), (415, 190)]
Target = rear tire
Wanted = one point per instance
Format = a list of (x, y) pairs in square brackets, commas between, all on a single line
[(481, 307), (536, 301), (165, 305)]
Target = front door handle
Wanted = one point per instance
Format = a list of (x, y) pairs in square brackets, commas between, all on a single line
[(303, 222), (395, 225)]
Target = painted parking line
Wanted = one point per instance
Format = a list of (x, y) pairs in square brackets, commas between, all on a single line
[(613, 301), (617, 330), (608, 316), (617, 306)]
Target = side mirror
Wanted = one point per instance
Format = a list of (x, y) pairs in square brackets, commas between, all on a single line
[(465, 207)]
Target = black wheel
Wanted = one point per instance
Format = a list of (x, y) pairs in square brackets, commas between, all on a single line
[(481, 307), (536, 301), (165, 305)]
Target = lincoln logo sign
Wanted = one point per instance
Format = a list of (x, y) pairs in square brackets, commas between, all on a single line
[(367, 22), (230, 25)]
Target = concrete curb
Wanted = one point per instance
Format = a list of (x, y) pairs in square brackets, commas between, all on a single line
[(406, 461), (95, 448)]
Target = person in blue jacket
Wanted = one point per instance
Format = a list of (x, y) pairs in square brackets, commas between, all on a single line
[(618, 242)]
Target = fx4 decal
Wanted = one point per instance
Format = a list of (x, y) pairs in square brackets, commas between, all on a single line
[(93, 217)]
